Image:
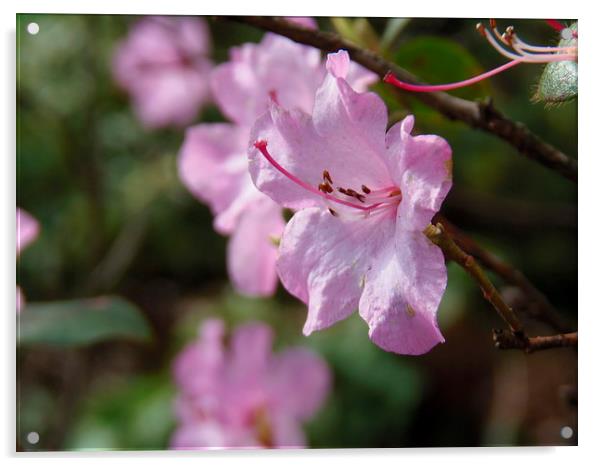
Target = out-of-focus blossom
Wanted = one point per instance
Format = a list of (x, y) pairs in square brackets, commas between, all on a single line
[(510, 46), (213, 162), (365, 196), (27, 231), (163, 65), (243, 395)]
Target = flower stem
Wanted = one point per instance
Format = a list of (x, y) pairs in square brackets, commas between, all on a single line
[(506, 340), (452, 251)]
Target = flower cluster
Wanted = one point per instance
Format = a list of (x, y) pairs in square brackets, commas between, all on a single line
[(245, 396), (213, 161), (163, 65)]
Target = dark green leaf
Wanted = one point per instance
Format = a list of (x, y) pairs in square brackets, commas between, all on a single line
[(81, 322), (440, 61)]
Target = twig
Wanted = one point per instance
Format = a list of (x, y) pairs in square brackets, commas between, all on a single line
[(452, 251), (506, 340), (479, 115), (543, 309)]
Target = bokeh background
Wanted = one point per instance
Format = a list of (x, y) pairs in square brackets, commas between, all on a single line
[(116, 220)]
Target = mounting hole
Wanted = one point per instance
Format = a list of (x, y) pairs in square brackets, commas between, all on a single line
[(566, 432), (33, 438), (33, 28)]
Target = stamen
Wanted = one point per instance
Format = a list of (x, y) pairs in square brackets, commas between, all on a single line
[(392, 79), (365, 189), (262, 147), (509, 38)]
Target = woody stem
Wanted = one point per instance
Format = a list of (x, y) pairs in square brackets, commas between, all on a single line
[(452, 251)]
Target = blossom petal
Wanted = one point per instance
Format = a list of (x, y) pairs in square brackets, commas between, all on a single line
[(212, 167), (286, 432), (197, 368), (323, 261), (300, 382), (421, 167), (402, 295), (250, 348), (276, 68), (354, 125), (251, 251), (345, 136)]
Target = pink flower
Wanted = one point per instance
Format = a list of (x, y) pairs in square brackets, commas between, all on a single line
[(213, 162), (245, 396), (365, 197), (27, 230), (163, 65)]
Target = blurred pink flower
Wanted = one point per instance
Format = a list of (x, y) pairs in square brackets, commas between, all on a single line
[(366, 195), (27, 230), (213, 162), (163, 65), (245, 396)]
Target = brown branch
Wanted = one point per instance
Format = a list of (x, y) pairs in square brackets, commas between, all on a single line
[(452, 251), (543, 309), (506, 340), (478, 115)]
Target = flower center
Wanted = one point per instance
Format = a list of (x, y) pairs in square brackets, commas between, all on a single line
[(367, 203)]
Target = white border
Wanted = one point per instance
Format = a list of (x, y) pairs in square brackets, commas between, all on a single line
[(589, 208)]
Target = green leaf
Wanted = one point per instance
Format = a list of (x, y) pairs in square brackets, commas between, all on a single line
[(439, 61), (358, 30), (81, 322), (558, 82)]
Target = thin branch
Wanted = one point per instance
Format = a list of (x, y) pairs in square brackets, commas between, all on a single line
[(452, 251), (479, 115), (506, 340), (543, 309)]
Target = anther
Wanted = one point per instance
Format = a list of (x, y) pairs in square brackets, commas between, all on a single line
[(366, 189), (326, 176), (333, 212), (481, 29), (325, 187)]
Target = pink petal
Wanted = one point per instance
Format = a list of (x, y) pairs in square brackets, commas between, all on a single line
[(27, 229), (251, 347), (345, 136), (198, 368), (170, 97), (286, 432), (360, 78), (300, 382), (252, 252), (162, 64), (214, 169), (421, 166), (354, 126), (275, 68), (324, 261), (402, 294)]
